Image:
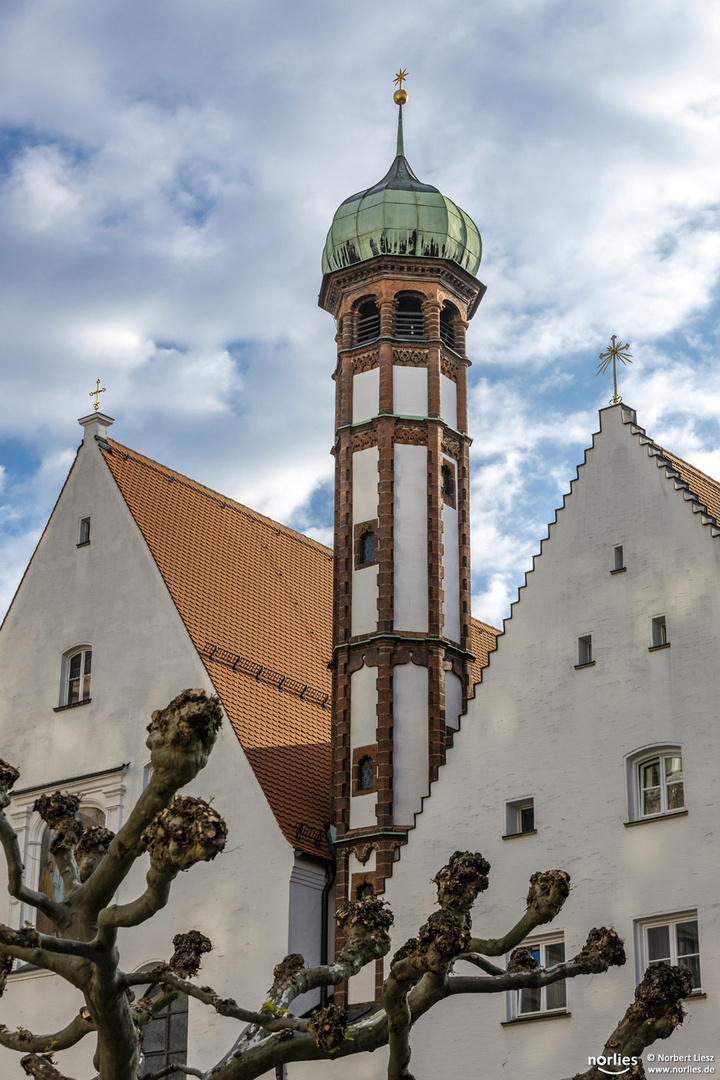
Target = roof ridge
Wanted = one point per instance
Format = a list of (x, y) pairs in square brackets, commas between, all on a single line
[(224, 500)]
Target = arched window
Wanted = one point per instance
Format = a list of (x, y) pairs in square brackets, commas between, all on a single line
[(364, 891), (50, 882), (165, 1037), (409, 318), (77, 667), (368, 325), (367, 547), (656, 784), (365, 773), (447, 324)]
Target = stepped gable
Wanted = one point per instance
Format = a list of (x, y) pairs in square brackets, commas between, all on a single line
[(255, 598), (698, 488)]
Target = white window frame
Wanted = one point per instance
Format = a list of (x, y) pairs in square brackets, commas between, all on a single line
[(672, 922), (513, 817), (104, 791), (67, 657), (515, 997), (636, 763)]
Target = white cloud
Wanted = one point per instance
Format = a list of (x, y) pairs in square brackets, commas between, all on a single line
[(163, 206)]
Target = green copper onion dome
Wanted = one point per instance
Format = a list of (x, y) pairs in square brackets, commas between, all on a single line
[(401, 216)]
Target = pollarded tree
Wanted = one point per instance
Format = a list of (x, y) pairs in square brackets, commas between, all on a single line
[(177, 832)]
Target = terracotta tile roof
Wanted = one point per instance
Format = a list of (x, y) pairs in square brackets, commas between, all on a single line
[(260, 595), (256, 599), (706, 489), (484, 641)]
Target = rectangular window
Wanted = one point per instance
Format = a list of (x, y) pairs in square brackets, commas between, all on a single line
[(585, 650), (519, 817), (84, 534), (618, 559), (543, 999), (659, 632), (672, 940)]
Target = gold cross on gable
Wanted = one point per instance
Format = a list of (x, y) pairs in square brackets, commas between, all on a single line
[(96, 394), (400, 77), (617, 351)]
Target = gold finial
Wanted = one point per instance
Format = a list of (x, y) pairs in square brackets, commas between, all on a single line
[(400, 96), (96, 394), (614, 353)]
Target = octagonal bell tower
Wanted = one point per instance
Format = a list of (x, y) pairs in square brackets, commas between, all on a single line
[(399, 277)]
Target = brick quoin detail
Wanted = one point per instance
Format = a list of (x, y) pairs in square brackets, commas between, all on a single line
[(434, 282)]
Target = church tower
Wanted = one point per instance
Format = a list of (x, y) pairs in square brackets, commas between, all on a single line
[(399, 277)]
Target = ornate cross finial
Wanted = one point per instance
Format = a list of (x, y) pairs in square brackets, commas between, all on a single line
[(400, 96), (617, 351), (96, 394)]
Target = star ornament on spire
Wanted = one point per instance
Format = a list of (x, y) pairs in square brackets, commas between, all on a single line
[(400, 96), (617, 351)]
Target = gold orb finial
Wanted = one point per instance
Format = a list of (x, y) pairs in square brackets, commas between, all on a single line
[(400, 96)]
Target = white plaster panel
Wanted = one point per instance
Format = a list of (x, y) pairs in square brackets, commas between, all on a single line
[(410, 394), (366, 395), (453, 699), (451, 572), (364, 600), (538, 727), (362, 811), (365, 484), (363, 706), (356, 867), (307, 882), (410, 741), (410, 549), (448, 400)]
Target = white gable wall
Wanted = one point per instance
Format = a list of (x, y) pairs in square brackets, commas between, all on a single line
[(538, 726), (110, 595)]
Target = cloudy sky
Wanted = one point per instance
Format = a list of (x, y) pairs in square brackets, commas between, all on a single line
[(169, 170)]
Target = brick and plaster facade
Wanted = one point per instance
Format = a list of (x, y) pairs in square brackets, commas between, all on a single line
[(402, 658)]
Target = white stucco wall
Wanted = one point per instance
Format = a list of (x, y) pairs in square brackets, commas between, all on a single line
[(110, 594), (453, 699), (363, 614), (451, 568), (410, 741), (410, 395), (410, 558), (538, 726), (363, 710), (448, 401), (366, 395)]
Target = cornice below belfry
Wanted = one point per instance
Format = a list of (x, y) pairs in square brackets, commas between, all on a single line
[(335, 285)]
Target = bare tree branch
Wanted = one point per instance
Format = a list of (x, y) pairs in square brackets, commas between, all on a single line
[(654, 1014), (41, 1068), (24, 1041)]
